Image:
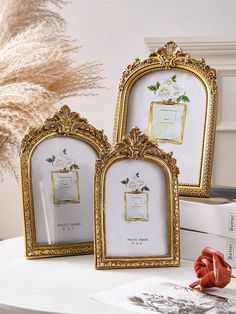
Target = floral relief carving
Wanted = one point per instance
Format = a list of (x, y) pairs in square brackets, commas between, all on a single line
[(65, 122), (138, 145), (169, 56)]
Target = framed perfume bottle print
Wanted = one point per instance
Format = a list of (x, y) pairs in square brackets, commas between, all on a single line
[(172, 98), (136, 205), (57, 171)]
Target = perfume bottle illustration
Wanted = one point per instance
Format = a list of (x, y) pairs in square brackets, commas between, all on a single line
[(167, 116), (135, 199), (64, 179)]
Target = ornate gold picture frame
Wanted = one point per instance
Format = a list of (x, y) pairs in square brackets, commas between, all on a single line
[(172, 97), (57, 162), (150, 235)]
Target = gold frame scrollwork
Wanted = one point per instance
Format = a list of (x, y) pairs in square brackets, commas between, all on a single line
[(63, 123), (170, 56), (137, 146)]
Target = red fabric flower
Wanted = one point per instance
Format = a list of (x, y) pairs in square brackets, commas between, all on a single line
[(212, 270)]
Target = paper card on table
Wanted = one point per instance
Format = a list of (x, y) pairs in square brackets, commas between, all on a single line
[(162, 295)]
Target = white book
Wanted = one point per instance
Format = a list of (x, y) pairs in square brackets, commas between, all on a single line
[(192, 243), (216, 215)]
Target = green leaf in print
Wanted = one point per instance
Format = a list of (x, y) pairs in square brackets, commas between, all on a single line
[(51, 160), (145, 188), (152, 87), (74, 166), (157, 85), (173, 78), (179, 99), (125, 181), (64, 151), (185, 98)]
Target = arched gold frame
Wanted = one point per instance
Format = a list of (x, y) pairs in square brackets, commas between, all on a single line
[(172, 57), (136, 146), (63, 123)]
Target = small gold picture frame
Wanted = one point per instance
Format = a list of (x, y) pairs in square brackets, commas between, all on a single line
[(172, 97), (57, 164), (136, 207)]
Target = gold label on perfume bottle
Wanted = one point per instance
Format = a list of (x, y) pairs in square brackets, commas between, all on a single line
[(136, 206), (65, 187), (167, 122)]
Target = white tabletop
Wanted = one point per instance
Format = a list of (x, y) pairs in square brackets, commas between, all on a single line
[(65, 284)]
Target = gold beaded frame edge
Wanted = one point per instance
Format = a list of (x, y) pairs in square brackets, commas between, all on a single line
[(67, 124), (170, 56), (136, 146)]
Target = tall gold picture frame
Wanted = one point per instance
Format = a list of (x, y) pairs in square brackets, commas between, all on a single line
[(137, 242), (172, 97), (56, 214)]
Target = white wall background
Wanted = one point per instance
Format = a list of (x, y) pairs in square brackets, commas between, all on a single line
[(113, 32)]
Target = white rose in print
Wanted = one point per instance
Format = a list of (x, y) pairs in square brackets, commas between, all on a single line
[(165, 93), (63, 161), (169, 90), (136, 198), (135, 183)]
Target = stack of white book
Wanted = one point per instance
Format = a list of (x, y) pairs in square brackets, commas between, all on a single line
[(209, 222)]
